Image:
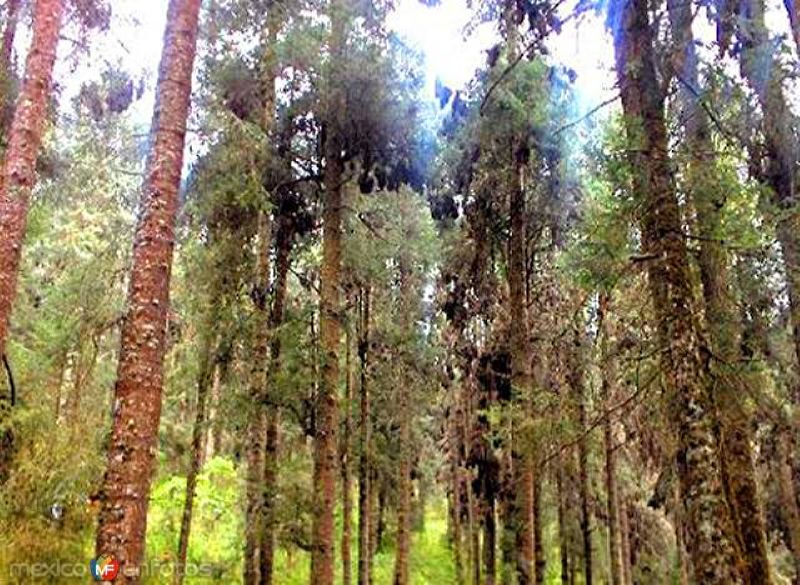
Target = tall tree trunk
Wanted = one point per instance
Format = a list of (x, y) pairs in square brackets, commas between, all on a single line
[(206, 373), (761, 70), (283, 243), (404, 486), (790, 512), (365, 439), (608, 383), (563, 537), (738, 468), (261, 420), (19, 170), (347, 499), (520, 370), (539, 557), (256, 430), (685, 372), (325, 452), (489, 542), (137, 407), (575, 359), (6, 64), (793, 9)]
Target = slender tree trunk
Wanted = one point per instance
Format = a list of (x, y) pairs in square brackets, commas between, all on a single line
[(204, 380), (625, 539), (283, 241), (489, 542), (365, 438), (793, 9), (347, 499), (761, 70), (456, 480), (686, 373), (262, 420), (520, 371), (406, 318), (325, 452), (738, 468), (6, 64), (137, 412), (608, 383), (256, 430), (575, 376), (563, 538), (539, 558), (19, 170), (789, 508)]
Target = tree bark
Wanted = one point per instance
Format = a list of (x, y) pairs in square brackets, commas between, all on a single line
[(322, 555), (6, 63), (578, 386), (685, 372), (19, 170), (761, 70), (137, 403), (256, 431), (738, 468), (365, 439), (520, 370), (283, 244), (563, 538), (262, 420), (608, 383), (347, 500), (790, 512), (207, 362), (793, 10)]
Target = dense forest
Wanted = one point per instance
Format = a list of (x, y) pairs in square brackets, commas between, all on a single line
[(326, 319)]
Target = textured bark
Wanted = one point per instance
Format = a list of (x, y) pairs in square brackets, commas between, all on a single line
[(575, 375), (256, 430), (738, 468), (793, 9), (347, 499), (6, 64), (25, 138), (489, 543), (761, 69), (790, 512), (404, 486), (262, 421), (563, 538), (685, 372), (520, 369), (204, 382), (137, 394), (283, 243), (608, 383), (325, 448), (625, 539), (365, 440)]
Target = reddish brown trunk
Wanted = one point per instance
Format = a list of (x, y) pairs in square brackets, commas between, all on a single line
[(365, 437), (256, 432), (6, 64), (563, 538), (789, 507), (284, 236), (707, 516), (520, 371), (137, 407), (19, 170), (608, 382), (347, 500), (325, 451), (738, 468)]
